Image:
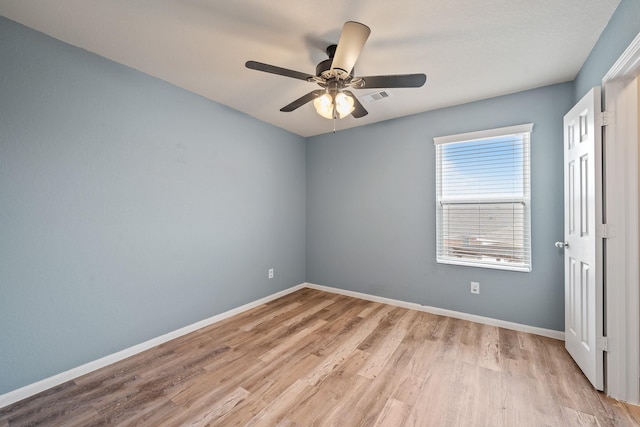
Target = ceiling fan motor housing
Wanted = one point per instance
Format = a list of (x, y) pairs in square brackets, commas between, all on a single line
[(323, 69)]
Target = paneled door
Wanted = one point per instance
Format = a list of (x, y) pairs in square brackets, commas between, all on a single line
[(583, 236)]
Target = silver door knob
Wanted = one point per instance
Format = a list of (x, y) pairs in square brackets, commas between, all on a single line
[(562, 245)]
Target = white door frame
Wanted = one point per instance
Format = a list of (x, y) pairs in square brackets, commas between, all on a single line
[(622, 275)]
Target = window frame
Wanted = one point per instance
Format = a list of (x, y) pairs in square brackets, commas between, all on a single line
[(525, 199)]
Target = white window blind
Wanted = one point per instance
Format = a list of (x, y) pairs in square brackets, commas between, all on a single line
[(483, 199)]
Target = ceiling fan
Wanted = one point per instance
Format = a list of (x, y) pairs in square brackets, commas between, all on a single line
[(335, 77)]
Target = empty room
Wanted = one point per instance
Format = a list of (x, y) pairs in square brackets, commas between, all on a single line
[(402, 213)]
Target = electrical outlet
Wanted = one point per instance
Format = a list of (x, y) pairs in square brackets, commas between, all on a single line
[(475, 288), (271, 273)]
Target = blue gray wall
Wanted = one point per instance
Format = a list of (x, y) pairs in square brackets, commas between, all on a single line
[(623, 27), (371, 213), (129, 208)]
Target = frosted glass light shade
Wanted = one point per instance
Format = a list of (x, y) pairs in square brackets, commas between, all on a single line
[(344, 104), (324, 105)]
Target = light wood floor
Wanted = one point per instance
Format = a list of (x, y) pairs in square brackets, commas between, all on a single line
[(314, 358)]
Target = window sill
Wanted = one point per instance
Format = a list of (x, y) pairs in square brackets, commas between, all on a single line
[(522, 269)]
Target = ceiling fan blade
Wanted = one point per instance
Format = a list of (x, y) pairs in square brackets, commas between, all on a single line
[(397, 80), (358, 110), (352, 40), (254, 65), (302, 100)]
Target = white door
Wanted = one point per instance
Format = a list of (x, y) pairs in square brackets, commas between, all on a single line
[(582, 236)]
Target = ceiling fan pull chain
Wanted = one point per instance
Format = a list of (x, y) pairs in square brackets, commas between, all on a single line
[(335, 113)]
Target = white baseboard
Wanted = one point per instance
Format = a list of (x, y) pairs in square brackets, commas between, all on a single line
[(47, 383), (559, 335)]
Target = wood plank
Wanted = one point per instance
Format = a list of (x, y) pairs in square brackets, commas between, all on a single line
[(289, 344), (388, 345), (394, 413), (335, 389), (218, 409)]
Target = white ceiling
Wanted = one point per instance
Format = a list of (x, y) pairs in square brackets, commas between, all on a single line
[(469, 49)]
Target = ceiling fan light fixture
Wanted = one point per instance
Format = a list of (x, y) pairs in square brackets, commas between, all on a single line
[(340, 105)]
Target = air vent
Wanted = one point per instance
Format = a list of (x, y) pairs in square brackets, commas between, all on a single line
[(376, 96)]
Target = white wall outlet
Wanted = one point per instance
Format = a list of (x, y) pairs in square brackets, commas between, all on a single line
[(271, 273), (475, 288)]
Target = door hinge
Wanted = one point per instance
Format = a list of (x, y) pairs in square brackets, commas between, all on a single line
[(606, 231), (602, 343), (606, 117)]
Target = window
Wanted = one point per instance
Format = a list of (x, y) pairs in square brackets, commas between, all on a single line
[(483, 199)]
